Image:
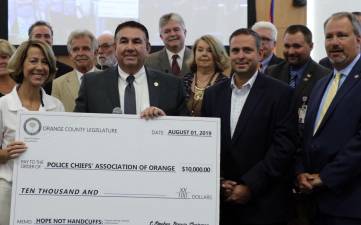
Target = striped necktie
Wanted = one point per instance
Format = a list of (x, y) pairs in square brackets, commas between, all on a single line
[(328, 100)]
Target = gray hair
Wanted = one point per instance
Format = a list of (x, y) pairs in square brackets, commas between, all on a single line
[(171, 16), (266, 25), (356, 25), (82, 33)]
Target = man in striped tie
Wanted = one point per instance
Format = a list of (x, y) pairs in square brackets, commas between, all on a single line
[(329, 167)]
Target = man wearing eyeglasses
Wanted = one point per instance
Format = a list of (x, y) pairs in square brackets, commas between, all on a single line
[(268, 33), (106, 51)]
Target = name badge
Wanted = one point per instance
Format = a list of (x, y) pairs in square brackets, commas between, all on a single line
[(302, 110)]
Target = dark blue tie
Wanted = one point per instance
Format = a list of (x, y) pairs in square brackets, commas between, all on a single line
[(129, 97), (293, 78)]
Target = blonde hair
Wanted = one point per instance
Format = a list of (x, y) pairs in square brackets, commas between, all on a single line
[(6, 48), (16, 62), (220, 56)]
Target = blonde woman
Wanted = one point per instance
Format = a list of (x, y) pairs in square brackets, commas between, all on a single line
[(32, 65), (208, 62), (6, 82)]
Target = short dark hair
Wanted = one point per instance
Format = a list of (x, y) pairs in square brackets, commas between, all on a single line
[(133, 24), (40, 23), (246, 31), (357, 13), (293, 29)]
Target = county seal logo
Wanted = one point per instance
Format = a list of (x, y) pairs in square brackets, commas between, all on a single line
[(32, 126)]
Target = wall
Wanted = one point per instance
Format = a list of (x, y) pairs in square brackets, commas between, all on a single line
[(285, 14)]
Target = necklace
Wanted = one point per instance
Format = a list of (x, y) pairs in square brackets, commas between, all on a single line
[(199, 91)]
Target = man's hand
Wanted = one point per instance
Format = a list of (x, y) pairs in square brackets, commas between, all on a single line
[(12, 151), (307, 182), (227, 187), (152, 112), (241, 194)]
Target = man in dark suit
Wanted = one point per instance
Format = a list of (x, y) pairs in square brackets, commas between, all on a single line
[(130, 87), (257, 137), (173, 57), (299, 70), (268, 33), (330, 165), (41, 30), (326, 61)]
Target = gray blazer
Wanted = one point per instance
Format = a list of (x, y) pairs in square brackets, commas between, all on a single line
[(159, 61)]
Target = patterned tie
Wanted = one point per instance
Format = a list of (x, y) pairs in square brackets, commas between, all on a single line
[(293, 78), (330, 95), (175, 66), (129, 97)]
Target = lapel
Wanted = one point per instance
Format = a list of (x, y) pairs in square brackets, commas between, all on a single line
[(154, 84), (73, 84), (352, 79), (226, 98), (111, 84), (164, 61), (253, 99), (307, 76)]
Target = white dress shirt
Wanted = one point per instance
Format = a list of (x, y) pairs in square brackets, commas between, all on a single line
[(239, 97), (10, 105), (179, 59), (141, 89)]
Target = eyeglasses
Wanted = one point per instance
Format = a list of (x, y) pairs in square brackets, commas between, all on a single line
[(266, 39), (106, 45)]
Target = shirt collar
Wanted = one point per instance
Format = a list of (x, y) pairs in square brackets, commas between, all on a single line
[(15, 103), (345, 71), (80, 74), (267, 60), (180, 54), (249, 83), (138, 75)]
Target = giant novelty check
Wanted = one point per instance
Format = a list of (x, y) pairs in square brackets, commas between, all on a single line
[(116, 169)]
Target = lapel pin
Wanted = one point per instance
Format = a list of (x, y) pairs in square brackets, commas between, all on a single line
[(306, 79), (156, 84), (308, 75), (357, 76)]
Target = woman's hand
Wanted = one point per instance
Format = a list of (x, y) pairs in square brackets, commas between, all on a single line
[(12, 151)]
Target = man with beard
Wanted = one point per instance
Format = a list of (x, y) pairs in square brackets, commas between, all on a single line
[(172, 58), (329, 168), (257, 137), (106, 51), (81, 46), (299, 70)]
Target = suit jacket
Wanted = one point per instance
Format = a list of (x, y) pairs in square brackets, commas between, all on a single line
[(260, 153), (326, 63), (99, 92), (62, 69), (66, 88), (275, 60), (334, 150), (159, 61), (312, 73)]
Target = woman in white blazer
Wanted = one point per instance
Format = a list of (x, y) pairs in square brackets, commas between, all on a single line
[(32, 65)]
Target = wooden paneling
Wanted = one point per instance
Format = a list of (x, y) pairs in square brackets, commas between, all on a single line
[(285, 14)]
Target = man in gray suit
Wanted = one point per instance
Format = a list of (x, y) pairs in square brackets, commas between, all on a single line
[(130, 87), (172, 58)]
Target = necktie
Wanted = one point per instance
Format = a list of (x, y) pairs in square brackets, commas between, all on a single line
[(293, 78), (330, 95), (175, 66), (129, 97)]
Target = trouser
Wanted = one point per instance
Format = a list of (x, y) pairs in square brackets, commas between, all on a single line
[(5, 201)]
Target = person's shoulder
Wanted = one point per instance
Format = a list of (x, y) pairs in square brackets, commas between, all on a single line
[(58, 105), (320, 69), (276, 68), (161, 75), (64, 77), (156, 54), (272, 83)]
